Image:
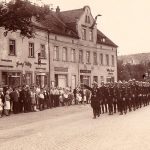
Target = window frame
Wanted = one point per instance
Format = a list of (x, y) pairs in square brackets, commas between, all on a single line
[(107, 60), (88, 57), (73, 55), (81, 56), (31, 50), (84, 34), (95, 58), (66, 54), (101, 59), (14, 53), (113, 60), (56, 49), (43, 57)]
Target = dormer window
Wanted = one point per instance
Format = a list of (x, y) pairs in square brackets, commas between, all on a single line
[(83, 34), (87, 19), (103, 40)]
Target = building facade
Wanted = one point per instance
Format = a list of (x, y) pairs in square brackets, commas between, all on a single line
[(72, 51)]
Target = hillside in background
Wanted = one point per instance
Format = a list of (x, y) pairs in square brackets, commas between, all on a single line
[(141, 58)]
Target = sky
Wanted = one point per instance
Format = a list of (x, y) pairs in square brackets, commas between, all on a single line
[(125, 22)]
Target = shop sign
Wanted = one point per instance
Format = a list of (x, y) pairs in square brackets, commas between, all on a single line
[(61, 69), (26, 63), (110, 70), (85, 71)]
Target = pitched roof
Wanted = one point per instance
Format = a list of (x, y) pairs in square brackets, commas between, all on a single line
[(103, 39), (71, 16), (64, 23), (55, 25)]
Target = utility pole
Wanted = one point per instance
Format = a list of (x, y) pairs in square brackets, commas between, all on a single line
[(49, 59)]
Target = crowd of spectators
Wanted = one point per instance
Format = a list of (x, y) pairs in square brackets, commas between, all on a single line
[(33, 98)]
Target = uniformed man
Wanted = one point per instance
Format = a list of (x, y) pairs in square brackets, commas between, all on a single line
[(95, 99), (134, 94), (110, 98), (115, 100), (103, 100)]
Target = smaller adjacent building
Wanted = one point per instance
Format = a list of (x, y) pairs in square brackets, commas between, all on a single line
[(72, 51)]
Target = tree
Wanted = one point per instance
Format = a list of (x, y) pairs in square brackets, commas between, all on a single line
[(18, 16), (130, 71)]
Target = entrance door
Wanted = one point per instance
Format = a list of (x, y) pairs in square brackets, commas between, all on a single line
[(62, 81), (85, 80)]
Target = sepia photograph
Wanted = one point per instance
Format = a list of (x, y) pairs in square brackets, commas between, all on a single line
[(74, 75)]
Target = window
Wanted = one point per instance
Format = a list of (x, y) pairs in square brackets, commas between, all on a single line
[(73, 55), (91, 35), (83, 34), (95, 79), (113, 60), (43, 52), (88, 19), (88, 57), (64, 54), (107, 59), (56, 53), (31, 49), (95, 58), (101, 59), (12, 47), (80, 56)]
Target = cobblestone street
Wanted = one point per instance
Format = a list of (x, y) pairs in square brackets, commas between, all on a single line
[(72, 128)]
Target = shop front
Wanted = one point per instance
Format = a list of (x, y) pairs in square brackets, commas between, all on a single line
[(12, 79), (85, 77), (110, 76), (41, 79), (61, 80)]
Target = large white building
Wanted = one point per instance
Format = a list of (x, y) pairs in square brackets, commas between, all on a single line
[(72, 49)]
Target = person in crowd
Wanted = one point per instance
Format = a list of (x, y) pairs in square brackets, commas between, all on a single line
[(57, 97), (84, 96), (75, 98), (52, 96), (15, 99), (7, 104), (20, 105), (61, 98), (23, 99), (41, 99), (1, 102), (28, 94), (65, 95), (70, 97), (79, 96), (33, 99), (88, 96)]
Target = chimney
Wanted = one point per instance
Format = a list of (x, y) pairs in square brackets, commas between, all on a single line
[(57, 9)]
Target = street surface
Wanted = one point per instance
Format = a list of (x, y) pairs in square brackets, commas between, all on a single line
[(72, 128)]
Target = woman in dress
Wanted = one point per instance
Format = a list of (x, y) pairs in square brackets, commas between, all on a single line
[(7, 104)]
